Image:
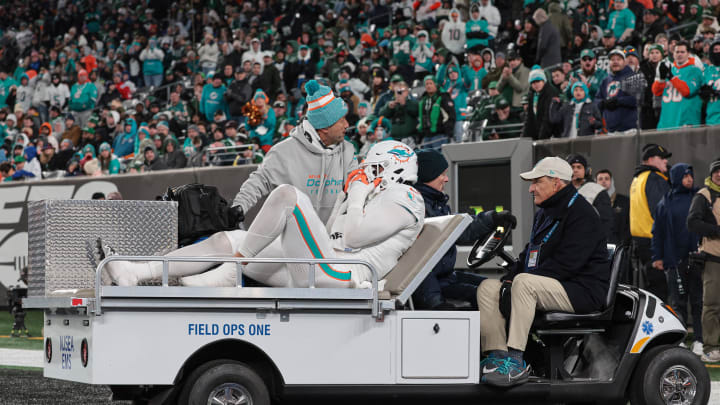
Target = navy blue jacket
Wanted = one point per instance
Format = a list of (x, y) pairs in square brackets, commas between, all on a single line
[(576, 253), (672, 241), (624, 117), (436, 204)]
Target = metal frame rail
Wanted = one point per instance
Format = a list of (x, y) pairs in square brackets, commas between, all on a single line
[(165, 291)]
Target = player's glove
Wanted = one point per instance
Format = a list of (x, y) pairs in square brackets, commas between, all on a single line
[(504, 219), (505, 304)]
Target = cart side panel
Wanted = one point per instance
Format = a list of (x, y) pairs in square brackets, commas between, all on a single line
[(134, 347)]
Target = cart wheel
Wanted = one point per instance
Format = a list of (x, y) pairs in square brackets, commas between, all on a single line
[(670, 375), (224, 382)]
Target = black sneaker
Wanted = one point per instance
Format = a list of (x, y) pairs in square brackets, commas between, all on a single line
[(509, 372)]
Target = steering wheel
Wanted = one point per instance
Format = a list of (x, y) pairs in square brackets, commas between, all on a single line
[(489, 247)]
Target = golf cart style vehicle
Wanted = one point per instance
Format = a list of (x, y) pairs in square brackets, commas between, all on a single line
[(257, 345)]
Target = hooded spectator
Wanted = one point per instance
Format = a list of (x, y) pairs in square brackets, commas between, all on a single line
[(580, 116), (174, 156), (537, 120)]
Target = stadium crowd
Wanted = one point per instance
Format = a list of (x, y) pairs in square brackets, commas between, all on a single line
[(104, 87), (101, 87)]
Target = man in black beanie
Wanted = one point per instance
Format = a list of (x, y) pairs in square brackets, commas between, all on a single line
[(444, 282)]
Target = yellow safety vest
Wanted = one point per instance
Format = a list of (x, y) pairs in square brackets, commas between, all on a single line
[(641, 220)]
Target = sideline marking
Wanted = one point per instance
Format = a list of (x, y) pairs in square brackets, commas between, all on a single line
[(21, 337)]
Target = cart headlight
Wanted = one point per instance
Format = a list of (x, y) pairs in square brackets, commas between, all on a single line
[(84, 352), (48, 350)]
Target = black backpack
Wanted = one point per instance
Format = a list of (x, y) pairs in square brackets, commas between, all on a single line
[(202, 211)]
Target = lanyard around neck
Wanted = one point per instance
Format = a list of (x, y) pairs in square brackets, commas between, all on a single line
[(557, 221)]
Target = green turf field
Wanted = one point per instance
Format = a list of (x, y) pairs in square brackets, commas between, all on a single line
[(34, 323)]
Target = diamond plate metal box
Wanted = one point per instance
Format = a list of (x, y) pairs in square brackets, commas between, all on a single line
[(63, 234)]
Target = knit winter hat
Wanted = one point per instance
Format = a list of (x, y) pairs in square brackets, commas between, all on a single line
[(105, 146), (714, 166), (585, 89), (89, 148), (537, 73), (577, 158), (260, 94), (657, 47), (431, 164), (324, 109)]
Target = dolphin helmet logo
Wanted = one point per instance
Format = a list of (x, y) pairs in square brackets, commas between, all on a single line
[(401, 153)]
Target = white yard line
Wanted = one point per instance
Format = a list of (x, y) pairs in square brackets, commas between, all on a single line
[(22, 358)]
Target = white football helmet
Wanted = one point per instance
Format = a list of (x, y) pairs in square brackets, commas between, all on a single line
[(392, 161)]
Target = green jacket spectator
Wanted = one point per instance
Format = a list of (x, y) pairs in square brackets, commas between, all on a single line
[(514, 76), (402, 113)]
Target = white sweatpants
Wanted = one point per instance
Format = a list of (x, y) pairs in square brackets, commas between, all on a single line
[(286, 227), (288, 217)]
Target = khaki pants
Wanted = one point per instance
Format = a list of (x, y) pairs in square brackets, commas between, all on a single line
[(711, 306), (528, 293)]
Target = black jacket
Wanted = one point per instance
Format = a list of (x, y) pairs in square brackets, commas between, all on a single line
[(237, 95), (268, 81), (537, 121), (436, 204), (446, 119), (562, 113), (700, 218), (621, 219), (548, 51), (576, 254)]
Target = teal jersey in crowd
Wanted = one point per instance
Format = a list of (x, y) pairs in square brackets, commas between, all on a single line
[(402, 44), (18, 74), (677, 110), (212, 100), (5, 89), (83, 96), (153, 67), (459, 96), (114, 166), (621, 20), (473, 78), (476, 26), (264, 132), (712, 79)]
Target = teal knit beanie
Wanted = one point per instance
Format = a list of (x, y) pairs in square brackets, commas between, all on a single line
[(324, 109)]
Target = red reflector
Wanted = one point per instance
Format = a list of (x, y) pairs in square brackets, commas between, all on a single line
[(76, 301)]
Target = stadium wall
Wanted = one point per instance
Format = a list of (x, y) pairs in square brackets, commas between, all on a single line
[(149, 186)]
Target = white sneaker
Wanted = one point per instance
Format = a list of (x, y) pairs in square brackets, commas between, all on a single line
[(711, 357), (683, 345), (697, 348), (125, 274), (222, 276)]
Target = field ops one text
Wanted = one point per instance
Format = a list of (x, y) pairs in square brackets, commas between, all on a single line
[(228, 329)]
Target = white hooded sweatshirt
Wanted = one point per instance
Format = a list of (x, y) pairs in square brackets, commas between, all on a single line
[(491, 14), (453, 33)]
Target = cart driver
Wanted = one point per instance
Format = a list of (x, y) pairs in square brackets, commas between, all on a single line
[(380, 219), (564, 267)]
